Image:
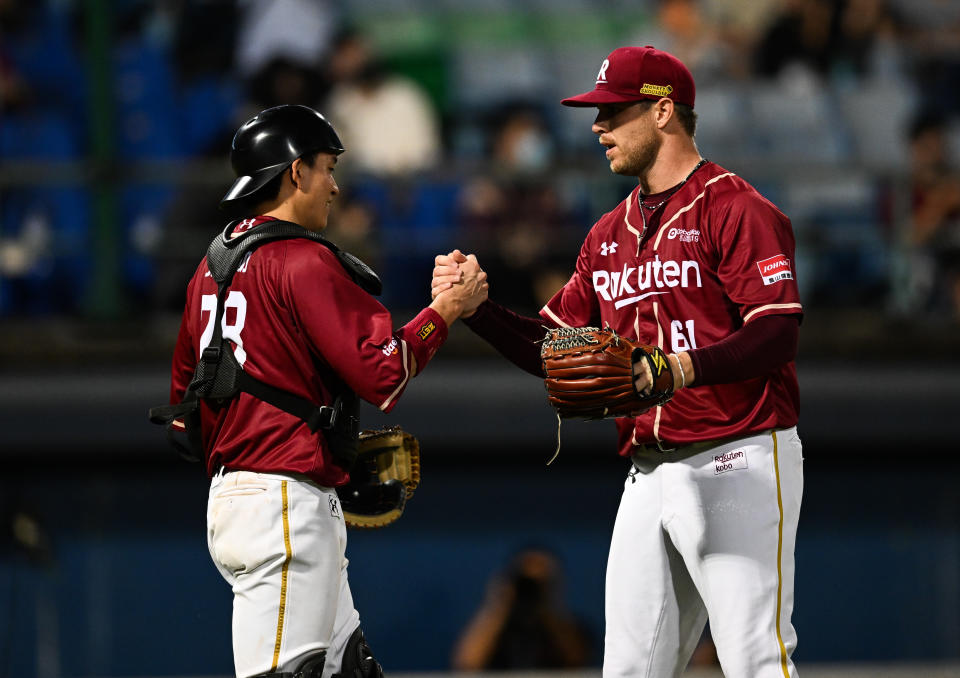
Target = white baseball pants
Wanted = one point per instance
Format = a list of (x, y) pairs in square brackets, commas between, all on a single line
[(279, 540), (708, 535)]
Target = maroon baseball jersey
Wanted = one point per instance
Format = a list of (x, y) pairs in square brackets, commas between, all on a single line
[(293, 316), (718, 256)]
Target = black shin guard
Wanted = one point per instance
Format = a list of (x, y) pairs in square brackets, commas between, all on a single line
[(358, 660), (310, 667)]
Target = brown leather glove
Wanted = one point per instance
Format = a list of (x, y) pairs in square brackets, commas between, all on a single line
[(590, 373)]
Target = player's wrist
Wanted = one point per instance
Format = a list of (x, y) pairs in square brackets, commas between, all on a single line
[(682, 370), (448, 306)]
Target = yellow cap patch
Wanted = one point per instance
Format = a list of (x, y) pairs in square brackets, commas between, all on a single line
[(656, 90)]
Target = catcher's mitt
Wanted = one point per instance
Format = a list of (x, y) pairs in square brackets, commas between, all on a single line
[(590, 373), (382, 479)]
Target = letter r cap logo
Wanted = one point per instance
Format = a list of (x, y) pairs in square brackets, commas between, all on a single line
[(602, 75)]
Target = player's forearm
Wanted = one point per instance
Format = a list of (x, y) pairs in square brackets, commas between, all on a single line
[(516, 337), (755, 350), (381, 365)]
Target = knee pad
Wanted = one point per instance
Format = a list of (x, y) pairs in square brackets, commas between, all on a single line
[(310, 667), (358, 660)]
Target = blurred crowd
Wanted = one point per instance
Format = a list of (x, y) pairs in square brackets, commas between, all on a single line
[(116, 118)]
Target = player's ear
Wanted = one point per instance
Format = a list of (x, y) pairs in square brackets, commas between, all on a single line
[(296, 175), (664, 112)]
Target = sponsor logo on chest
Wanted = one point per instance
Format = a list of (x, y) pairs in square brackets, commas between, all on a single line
[(657, 276), (684, 235)]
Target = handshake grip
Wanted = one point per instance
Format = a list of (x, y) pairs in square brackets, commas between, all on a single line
[(590, 373)]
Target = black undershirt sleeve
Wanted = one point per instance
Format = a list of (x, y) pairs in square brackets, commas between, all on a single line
[(756, 349), (516, 337)]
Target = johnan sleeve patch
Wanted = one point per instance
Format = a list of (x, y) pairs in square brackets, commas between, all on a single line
[(774, 269)]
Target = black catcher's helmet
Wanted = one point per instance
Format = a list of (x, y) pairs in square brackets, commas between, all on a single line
[(269, 142)]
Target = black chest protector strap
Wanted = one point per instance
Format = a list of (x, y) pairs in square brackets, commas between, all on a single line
[(219, 377), (226, 252)]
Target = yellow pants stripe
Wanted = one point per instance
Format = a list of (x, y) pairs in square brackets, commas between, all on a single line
[(283, 576), (776, 470)]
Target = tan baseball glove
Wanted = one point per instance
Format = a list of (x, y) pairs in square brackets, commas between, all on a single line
[(382, 479), (590, 373)]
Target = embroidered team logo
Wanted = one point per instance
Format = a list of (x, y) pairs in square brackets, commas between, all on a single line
[(426, 330), (775, 269), (334, 507), (606, 249), (729, 461), (602, 75)]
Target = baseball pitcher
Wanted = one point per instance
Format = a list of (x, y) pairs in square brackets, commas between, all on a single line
[(681, 320)]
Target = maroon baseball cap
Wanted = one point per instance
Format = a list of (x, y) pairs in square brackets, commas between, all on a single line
[(635, 73)]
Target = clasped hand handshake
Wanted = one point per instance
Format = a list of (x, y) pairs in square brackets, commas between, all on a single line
[(459, 285)]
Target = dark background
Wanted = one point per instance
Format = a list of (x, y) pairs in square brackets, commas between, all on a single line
[(120, 574), (115, 123)]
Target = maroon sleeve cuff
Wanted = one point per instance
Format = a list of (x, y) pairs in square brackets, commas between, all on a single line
[(425, 335), (755, 350)]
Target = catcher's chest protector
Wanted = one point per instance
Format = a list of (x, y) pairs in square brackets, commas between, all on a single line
[(219, 377)]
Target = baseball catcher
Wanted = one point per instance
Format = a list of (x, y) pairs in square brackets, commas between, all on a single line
[(382, 479), (281, 338), (594, 373)]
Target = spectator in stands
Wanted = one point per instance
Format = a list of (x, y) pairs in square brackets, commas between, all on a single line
[(299, 31), (740, 25), (513, 213), (524, 622), (354, 227), (933, 236), (189, 223), (932, 33), (44, 226), (869, 43), (386, 120), (522, 142), (802, 35), (284, 81), (683, 28)]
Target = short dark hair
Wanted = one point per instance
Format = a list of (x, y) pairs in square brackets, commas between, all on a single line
[(687, 117)]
